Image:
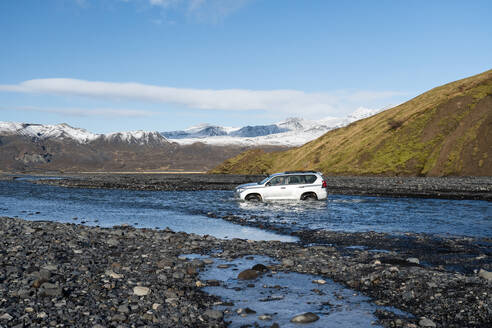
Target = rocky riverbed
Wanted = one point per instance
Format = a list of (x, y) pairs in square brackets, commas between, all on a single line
[(452, 253), (425, 187), (54, 274)]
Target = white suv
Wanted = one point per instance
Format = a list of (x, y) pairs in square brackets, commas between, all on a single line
[(303, 185)]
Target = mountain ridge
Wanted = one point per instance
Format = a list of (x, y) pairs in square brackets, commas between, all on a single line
[(80, 135), (291, 132), (26, 147)]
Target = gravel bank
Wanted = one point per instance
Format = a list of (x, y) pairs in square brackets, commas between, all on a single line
[(457, 253), (479, 188), (54, 274)]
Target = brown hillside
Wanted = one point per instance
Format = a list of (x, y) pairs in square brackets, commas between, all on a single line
[(22, 154), (445, 131)]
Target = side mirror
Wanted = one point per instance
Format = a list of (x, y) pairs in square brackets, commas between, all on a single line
[(268, 184)]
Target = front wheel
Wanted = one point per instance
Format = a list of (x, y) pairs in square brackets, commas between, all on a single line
[(253, 198)]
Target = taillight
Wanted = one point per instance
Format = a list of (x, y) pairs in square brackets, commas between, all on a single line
[(323, 184)]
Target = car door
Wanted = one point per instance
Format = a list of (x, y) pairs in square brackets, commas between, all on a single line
[(276, 188), (296, 184)]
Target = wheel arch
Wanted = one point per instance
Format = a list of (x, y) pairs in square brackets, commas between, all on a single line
[(309, 194), (252, 195)]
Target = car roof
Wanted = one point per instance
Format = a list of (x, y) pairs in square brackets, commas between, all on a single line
[(294, 172)]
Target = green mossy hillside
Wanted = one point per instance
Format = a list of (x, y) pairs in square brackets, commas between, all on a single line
[(445, 131)]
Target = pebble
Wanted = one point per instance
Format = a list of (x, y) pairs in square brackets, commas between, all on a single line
[(245, 311), (260, 267), (424, 322), (265, 317), (305, 318), (485, 274), (114, 275), (141, 291), (223, 266), (124, 308), (6, 317), (287, 262), (214, 314), (248, 274)]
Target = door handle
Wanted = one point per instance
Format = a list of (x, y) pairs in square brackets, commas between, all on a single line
[(282, 187)]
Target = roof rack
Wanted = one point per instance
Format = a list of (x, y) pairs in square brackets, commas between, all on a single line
[(290, 172)]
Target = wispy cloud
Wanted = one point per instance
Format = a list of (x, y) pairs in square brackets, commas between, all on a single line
[(164, 3), (285, 102), (81, 3), (85, 112), (202, 10)]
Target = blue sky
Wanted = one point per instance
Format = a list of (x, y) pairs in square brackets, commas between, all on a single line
[(110, 65)]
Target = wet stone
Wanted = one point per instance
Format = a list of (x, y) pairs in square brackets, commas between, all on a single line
[(214, 314), (248, 274), (287, 262), (265, 317), (485, 274), (425, 322), (260, 268), (305, 318)]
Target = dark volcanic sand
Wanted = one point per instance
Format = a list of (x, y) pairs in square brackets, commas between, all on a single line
[(54, 274)]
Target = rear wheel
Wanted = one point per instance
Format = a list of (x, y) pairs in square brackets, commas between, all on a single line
[(253, 198), (309, 196)]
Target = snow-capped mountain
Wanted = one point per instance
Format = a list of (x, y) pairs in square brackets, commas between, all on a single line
[(199, 131), (136, 137), (291, 132), (40, 131), (66, 132), (257, 131)]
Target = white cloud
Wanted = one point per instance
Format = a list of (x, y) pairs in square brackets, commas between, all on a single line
[(202, 10), (164, 3), (84, 112), (81, 3), (284, 102)]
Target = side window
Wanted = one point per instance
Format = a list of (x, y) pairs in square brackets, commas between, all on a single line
[(277, 181), (310, 178), (295, 179)]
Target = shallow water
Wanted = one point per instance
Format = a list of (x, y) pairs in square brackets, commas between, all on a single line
[(106, 208), (284, 295), (187, 210)]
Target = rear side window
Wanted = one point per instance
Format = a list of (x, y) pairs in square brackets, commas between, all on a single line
[(296, 179), (310, 178)]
